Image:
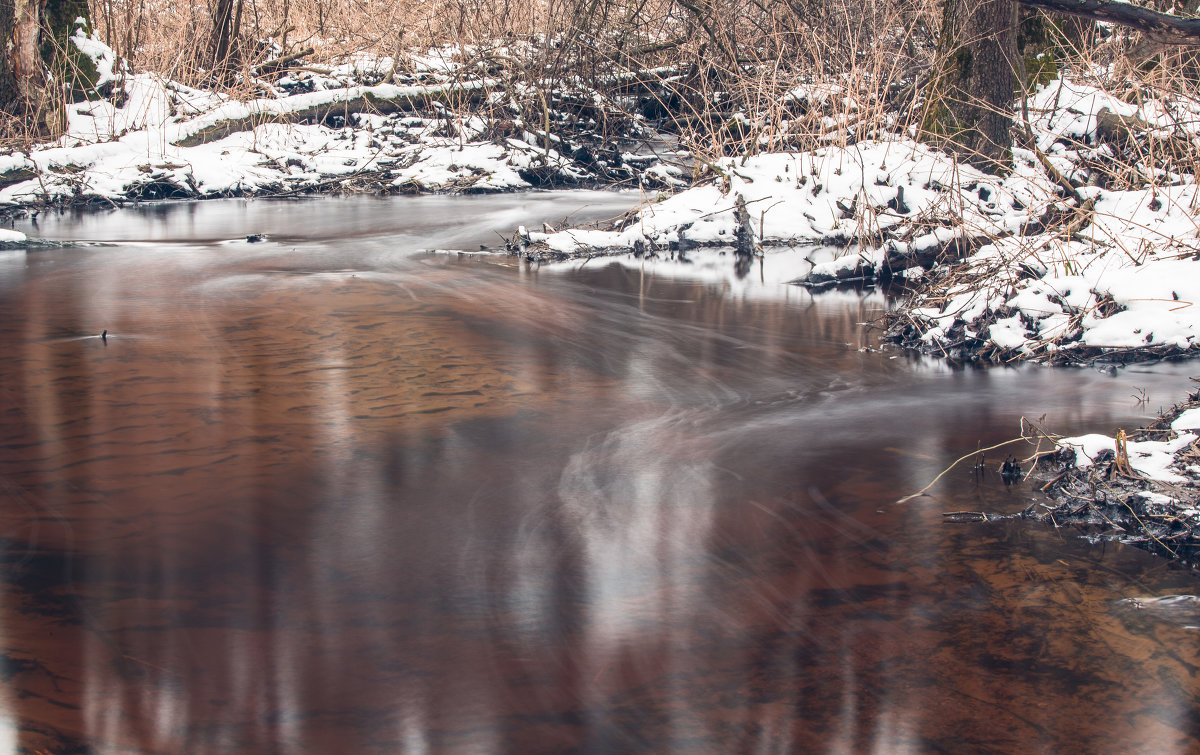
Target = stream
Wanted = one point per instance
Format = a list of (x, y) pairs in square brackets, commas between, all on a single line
[(332, 491)]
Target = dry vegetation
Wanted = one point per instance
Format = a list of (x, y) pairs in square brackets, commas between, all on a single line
[(730, 78), (733, 77)]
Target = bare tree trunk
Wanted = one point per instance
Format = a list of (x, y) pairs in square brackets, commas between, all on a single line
[(221, 44), (34, 38), (968, 107), (22, 75), (1169, 29), (968, 104), (9, 92), (26, 51), (1148, 49)]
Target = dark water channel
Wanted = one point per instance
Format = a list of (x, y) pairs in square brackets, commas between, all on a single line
[(329, 493)]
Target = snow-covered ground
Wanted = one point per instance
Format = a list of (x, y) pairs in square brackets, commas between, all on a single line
[(1044, 281), (1143, 488), (159, 139), (11, 238), (1152, 459)]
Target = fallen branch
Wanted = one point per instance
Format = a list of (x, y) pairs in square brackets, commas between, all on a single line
[(965, 516), (319, 107), (281, 63), (1161, 27), (958, 461)]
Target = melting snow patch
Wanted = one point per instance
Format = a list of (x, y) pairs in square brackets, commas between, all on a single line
[(1151, 458), (1189, 420)]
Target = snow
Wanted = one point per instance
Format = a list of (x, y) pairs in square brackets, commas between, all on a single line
[(1188, 420), (152, 144), (827, 196), (101, 54), (1150, 458), (1158, 498), (11, 237), (1129, 278)]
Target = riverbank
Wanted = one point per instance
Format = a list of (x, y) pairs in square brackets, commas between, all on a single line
[(1087, 251), (356, 127), (1141, 488)]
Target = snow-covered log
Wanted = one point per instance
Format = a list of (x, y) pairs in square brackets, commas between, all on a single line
[(320, 107)]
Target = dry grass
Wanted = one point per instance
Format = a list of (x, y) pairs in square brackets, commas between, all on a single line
[(730, 78)]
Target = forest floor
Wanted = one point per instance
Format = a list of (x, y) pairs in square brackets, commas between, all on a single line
[(1087, 252)]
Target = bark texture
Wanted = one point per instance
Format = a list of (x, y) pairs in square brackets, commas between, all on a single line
[(968, 108), (21, 72), (9, 94), (25, 51), (34, 39), (223, 44)]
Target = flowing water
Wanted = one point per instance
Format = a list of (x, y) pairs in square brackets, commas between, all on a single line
[(332, 493)]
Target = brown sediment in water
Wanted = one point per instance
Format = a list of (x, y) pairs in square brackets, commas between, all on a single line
[(309, 502)]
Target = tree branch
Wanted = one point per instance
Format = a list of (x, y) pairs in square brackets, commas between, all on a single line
[(1158, 26)]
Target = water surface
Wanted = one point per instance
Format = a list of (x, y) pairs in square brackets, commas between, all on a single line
[(332, 493)]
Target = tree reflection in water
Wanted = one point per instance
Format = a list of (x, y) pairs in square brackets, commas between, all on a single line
[(343, 498)]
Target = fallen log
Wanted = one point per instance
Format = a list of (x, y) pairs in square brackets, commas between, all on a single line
[(282, 63), (1160, 27), (16, 176), (320, 107)]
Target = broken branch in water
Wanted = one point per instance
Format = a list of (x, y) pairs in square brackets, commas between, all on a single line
[(965, 516), (958, 461)]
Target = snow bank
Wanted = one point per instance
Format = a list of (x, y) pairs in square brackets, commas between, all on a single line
[(1150, 458), (1045, 281), (833, 195), (1188, 420), (1122, 279), (156, 138)]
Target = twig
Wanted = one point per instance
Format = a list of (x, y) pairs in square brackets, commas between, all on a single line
[(957, 461)]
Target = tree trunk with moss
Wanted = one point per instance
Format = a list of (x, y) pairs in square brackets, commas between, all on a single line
[(68, 66), (968, 104), (1044, 40), (37, 41)]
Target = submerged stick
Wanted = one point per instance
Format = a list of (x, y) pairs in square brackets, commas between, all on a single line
[(957, 461), (965, 516)]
